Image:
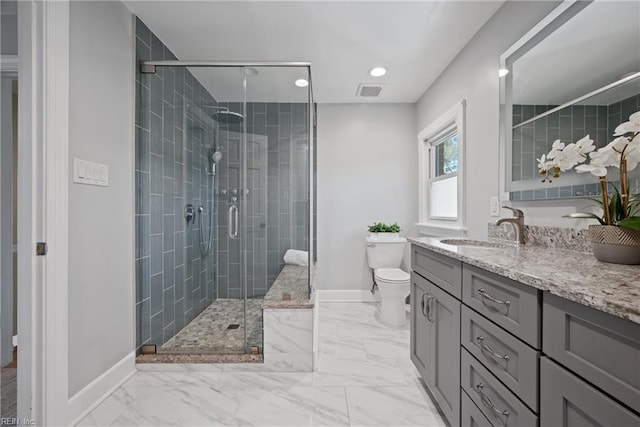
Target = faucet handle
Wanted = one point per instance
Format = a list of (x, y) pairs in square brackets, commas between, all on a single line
[(517, 213)]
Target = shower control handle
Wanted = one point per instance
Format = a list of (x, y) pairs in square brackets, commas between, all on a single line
[(232, 221), (189, 212)]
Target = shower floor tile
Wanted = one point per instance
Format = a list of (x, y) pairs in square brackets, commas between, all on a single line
[(209, 332)]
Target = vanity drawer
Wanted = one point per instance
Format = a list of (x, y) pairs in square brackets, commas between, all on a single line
[(567, 401), (510, 304), (471, 415), (602, 348), (508, 358), (497, 403), (439, 269)]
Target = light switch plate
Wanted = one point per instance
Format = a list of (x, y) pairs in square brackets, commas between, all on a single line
[(90, 173), (494, 206)]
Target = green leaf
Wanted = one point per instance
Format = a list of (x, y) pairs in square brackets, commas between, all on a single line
[(632, 223), (584, 215), (615, 206)]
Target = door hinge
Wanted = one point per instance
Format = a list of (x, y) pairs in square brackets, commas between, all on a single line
[(41, 248)]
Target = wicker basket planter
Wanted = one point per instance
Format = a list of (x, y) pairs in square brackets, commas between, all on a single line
[(614, 244)]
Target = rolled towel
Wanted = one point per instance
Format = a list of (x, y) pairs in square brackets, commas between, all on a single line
[(296, 257)]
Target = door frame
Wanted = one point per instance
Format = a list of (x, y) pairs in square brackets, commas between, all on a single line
[(43, 187)]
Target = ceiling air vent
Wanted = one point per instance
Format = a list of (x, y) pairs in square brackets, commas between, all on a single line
[(369, 90)]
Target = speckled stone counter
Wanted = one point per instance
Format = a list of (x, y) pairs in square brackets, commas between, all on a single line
[(292, 280), (575, 276)]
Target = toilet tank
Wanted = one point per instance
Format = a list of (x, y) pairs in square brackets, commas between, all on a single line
[(385, 253)]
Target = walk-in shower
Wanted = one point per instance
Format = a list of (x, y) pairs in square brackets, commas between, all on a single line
[(237, 147)]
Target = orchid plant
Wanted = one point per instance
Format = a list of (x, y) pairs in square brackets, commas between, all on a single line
[(622, 208)]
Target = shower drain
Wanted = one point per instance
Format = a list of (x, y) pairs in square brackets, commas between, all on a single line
[(233, 326)]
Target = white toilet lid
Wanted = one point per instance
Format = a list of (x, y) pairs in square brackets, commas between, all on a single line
[(392, 275)]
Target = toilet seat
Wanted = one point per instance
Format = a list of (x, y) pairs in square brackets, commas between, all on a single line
[(392, 276)]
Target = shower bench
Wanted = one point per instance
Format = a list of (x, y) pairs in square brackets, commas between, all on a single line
[(288, 322)]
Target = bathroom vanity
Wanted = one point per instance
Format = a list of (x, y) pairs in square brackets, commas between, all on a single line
[(525, 336)]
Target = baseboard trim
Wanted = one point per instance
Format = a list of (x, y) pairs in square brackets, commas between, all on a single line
[(351, 295), (94, 393)]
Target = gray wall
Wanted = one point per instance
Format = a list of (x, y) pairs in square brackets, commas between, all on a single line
[(368, 167), (101, 247), (174, 283), (473, 75)]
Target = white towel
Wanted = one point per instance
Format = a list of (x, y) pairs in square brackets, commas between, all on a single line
[(295, 257)]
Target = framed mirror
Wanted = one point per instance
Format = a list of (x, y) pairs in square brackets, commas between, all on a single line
[(576, 73)]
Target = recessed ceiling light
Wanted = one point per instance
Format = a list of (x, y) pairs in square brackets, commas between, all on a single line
[(302, 83), (378, 71), (503, 72)]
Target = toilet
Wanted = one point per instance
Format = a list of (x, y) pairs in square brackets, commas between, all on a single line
[(384, 256)]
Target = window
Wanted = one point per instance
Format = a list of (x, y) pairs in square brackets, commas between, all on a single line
[(441, 172)]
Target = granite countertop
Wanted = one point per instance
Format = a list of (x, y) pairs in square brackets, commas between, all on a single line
[(575, 276)]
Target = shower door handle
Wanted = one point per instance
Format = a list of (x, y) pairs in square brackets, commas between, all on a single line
[(232, 221)]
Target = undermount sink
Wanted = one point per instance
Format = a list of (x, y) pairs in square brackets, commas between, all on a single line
[(478, 243)]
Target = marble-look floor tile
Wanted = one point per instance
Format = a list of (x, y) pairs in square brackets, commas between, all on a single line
[(391, 406), (343, 348), (179, 406), (364, 377), (335, 372), (295, 406)]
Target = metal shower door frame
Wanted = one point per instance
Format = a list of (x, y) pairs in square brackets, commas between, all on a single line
[(149, 67)]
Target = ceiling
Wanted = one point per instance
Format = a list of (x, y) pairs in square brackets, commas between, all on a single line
[(343, 40)]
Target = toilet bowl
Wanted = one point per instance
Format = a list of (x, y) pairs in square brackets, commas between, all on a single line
[(393, 285), (384, 256)]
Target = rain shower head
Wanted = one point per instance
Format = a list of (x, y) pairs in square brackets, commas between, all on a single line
[(229, 117), (224, 115)]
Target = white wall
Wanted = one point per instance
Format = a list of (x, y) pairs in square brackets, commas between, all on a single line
[(473, 75), (367, 172), (101, 219)]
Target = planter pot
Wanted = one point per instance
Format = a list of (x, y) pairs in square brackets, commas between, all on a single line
[(615, 244), (384, 235)]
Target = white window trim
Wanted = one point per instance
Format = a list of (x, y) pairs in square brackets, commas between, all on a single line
[(453, 118)]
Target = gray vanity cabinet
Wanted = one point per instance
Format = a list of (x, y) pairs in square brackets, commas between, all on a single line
[(420, 328), (568, 401), (601, 348), (435, 343)]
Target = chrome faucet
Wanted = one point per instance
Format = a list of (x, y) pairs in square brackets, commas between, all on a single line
[(517, 221)]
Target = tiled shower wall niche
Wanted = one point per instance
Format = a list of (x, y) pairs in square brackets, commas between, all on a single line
[(174, 283)]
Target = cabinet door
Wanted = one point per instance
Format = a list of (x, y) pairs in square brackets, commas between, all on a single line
[(443, 315), (567, 401), (420, 328)]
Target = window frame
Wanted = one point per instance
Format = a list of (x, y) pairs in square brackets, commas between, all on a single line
[(450, 122)]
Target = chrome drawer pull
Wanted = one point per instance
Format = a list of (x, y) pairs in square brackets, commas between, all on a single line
[(485, 348), (487, 402), (429, 298), (485, 294), (422, 305)]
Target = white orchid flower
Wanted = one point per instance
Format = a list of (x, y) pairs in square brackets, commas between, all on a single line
[(632, 154), (633, 125), (585, 145), (556, 148), (569, 157), (594, 169), (605, 158), (617, 144)]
